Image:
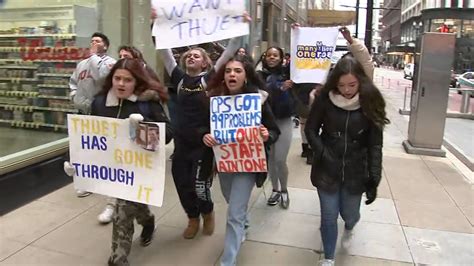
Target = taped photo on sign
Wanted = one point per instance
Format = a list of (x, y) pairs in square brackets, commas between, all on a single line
[(148, 136)]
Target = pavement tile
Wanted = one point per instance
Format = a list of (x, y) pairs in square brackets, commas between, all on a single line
[(431, 247), (82, 235), (375, 240), (457, 186), (380, 211), (34, 220), (436, 216), (177, 218), (169, 248), (301, 201), (256, 254), (32, 255), (66, 197), (469, 213), (413, 170), (383, 190), (419, 192), (8, 247), (347, 260), (285, 228)]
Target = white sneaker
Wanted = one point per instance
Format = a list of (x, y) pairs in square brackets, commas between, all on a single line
[(326, 262), (82, 193), (107, 214)]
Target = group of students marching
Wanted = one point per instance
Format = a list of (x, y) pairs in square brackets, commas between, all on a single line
[(342, 129)]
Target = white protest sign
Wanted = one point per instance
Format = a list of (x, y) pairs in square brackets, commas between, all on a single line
[(107, 161), (187, 22), (311, 52), (235, 123)]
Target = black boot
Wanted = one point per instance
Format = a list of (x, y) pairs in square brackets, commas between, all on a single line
[(147, 232), (305, 148), (309, 158)]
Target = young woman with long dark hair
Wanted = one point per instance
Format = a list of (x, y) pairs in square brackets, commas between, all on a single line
[(345, 131), (126, 81), (237, 77)]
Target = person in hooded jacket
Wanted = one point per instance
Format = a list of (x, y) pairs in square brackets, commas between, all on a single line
[(119, 99), (278, 85), (238, 76), (345, 130)]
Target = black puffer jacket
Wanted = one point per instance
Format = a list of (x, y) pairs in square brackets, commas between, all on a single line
[(348, 150), (126, 108)]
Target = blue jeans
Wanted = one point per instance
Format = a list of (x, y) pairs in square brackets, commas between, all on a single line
[(341, 201), (236, 188)]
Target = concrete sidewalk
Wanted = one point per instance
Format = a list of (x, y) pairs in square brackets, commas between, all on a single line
[(424, 215)]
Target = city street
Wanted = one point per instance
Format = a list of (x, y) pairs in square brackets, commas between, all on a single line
[(393, 80), (423, 216)]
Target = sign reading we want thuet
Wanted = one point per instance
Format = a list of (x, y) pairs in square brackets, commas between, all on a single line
[(107, 161), (235, 123), (187, 22)]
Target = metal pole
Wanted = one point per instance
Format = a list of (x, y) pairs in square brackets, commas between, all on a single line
[(368, 25), (466, 98), (405, 98), (357, 19)]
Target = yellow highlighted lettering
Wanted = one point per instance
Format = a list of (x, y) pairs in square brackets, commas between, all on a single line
[(136, 158)]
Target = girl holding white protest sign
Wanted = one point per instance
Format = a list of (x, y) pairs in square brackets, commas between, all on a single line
[(192, 160), (119, 99), (278, 84), (239, 77)]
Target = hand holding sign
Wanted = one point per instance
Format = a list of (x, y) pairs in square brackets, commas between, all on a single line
[(264, 133), (209, 140), (295, 25), (346, 34), (286, 85), (69, 169)]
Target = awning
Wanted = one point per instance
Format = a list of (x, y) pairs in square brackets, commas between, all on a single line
[(396, 53), (321, 17)]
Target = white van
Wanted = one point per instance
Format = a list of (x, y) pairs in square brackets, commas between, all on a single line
[(408, 71)]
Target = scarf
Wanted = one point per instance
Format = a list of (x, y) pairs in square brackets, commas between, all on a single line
[(344, 103)]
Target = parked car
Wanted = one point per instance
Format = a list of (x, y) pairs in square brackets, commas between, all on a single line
[(408, 71), (466, 81), (454, 80)]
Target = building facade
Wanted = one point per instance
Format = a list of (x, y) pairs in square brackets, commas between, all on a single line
[(441, 16)]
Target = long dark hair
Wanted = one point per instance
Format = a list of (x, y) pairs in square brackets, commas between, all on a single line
[(143, 80), (217, 86), (371, 100)]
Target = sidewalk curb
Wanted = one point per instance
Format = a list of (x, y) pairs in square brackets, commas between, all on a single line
[(457, 152)]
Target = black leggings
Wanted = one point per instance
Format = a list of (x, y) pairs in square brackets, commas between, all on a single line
[(193, 180)]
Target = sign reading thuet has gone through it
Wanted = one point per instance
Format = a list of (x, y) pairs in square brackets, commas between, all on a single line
[(107, 161)]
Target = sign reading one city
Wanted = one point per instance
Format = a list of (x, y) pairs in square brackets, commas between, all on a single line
[(235, 124), (108, 161), (311, 52), (187, 22)]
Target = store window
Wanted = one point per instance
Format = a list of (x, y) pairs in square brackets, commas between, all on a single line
[(468, 29), (41, 43), (436, 24)]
